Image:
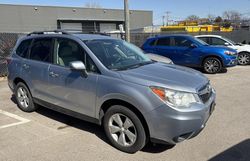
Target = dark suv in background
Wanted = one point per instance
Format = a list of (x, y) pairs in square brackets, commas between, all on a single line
[(189, 51)]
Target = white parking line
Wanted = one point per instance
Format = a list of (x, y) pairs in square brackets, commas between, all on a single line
[(21, 120)]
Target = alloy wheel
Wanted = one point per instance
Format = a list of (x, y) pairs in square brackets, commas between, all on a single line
[(244, 59), (22, 97), (122, 130), (212, 66)]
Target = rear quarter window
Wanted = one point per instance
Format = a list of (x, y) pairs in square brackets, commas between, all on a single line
[(152, 42), (23, 48)]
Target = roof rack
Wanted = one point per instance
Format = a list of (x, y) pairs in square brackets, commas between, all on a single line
[(99, 33), (48, 32)]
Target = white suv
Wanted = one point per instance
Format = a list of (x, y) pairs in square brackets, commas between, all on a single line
[(242, 49)]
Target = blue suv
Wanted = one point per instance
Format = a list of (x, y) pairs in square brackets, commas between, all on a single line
[(189, 51)]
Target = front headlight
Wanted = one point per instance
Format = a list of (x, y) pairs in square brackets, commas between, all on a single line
[(229, 52), (176, 99)]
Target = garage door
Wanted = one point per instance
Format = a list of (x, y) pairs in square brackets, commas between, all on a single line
[(71, 26), (107, 27)]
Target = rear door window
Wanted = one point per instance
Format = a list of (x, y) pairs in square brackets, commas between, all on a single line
[(164, 41), (217, 41), (182, 42), (205, 39), (41, 50), (23, 48)]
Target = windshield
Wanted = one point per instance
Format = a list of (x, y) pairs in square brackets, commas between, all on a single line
[(230, 41), (117, 54), (200, 42)]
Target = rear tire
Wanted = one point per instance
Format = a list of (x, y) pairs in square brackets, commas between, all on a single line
[(244, 58), (212, 65), (124, 129), (24, 98)]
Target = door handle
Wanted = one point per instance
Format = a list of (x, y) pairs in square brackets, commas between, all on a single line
[(54, 75), (25, 66)]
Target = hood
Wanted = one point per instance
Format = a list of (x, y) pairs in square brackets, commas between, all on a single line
[(246, 45), (242, 47), (217, 48), (167, 76)]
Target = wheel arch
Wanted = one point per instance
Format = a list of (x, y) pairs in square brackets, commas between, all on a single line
[(109, 103), (213, 56), (244, 52), (18, 80)]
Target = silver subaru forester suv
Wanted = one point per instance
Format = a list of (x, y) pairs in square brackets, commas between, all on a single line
[(112, 83)]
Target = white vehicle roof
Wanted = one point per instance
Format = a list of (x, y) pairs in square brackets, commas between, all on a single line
[(209, 36)]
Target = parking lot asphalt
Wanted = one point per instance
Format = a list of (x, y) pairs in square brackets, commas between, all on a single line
[(48, 135)]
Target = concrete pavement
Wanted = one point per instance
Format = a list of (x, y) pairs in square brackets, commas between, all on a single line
[(51, 136)]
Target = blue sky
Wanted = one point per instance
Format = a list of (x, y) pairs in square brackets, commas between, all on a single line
[(179, 8)]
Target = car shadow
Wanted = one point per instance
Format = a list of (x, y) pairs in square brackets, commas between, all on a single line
[(157, 148), (70, 121), (239, 152), (89, 127), (224, 70)]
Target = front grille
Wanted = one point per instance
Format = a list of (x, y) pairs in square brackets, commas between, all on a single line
[(205, 93)]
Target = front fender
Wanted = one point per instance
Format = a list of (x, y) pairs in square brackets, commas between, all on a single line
[(213, 55), (141, 97)]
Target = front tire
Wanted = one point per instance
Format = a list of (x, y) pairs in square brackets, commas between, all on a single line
[(212, 65), (124, 129), (24, 98), (244, 58)]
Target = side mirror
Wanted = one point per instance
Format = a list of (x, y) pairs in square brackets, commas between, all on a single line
[(78, 66), (226, 44), (193, 46)]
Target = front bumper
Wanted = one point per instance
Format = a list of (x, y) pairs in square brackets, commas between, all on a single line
[(167, 125)]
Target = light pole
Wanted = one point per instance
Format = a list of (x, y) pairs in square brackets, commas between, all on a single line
[(167, 17), (126, 16)]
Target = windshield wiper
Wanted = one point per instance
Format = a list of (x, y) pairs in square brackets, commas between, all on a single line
[(134, 66)]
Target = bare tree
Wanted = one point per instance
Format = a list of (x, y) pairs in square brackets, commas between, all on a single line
[(92, 5), (226, 15), (211, 18), (193, 18), (232, 16)]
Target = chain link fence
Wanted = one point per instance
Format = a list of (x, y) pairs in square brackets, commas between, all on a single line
[(7, 42)]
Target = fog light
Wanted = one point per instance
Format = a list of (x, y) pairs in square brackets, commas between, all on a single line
[(182, 137)]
